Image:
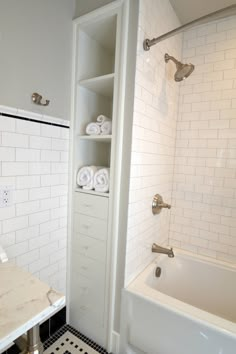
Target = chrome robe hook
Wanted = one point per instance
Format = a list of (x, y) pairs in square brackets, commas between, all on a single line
[(37, 98)]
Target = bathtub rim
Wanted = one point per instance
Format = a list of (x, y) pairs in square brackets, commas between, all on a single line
[(140, 288)]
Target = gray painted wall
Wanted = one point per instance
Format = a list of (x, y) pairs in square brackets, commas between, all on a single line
[(85, 6), (35, 53)]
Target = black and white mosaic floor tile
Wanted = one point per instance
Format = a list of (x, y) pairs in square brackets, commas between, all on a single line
[(69, 341)]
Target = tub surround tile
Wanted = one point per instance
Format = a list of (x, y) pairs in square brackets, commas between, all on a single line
[(204, 173), (153, 138), (25, 302)]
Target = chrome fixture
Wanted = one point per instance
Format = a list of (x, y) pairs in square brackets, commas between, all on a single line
[(37, 99), (30, 343), (158, 204), (159, 249), (183, 70), (219, 14), (158, 272)]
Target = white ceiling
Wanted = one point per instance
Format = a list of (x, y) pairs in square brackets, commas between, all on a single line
[(188, 10)]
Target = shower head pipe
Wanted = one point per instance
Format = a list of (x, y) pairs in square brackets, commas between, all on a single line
[(216, 15)]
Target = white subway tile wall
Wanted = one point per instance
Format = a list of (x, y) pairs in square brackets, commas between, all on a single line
[(33, 230), (154, 130), (204, 190)]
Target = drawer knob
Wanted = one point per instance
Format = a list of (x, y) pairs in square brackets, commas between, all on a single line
[(87, 205), (86, 226), (83, 308)]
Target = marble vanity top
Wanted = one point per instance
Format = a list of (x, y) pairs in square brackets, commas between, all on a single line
[(24, 302)]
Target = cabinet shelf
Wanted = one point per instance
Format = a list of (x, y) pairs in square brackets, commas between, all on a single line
[(98, 138), (81, 190), (102, 85)]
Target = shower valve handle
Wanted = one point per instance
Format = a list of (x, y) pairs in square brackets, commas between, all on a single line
[(158, 204)]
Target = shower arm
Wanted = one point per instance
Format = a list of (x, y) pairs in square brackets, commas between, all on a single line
[(219, 14), (169, 57)]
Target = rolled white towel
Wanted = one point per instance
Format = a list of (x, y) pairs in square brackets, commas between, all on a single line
[(106, 128), (93, 129), (102, 180), (101, 119), (85, 177)]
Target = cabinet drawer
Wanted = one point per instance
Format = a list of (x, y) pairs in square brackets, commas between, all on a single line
[(89, 226), (90, 247), (91, 205), (88, 296), (89, 268)]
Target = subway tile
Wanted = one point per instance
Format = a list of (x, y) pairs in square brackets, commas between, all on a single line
[(27, 155), (39, 168), (39, 241), (14, 224), (20, 196), (7, 154), (41, 263), (39, 142), (21, 150), (26, 127), (27, 208), (17, 249), (49, 226), (47, 155), (39, 193), (14, 168), (226, 24), (15, 140), (50, 131), (27, 233), (39, 218), (231, 53), (227, 64), (27, 258), (7, 124), (214, 57), (210, 145), (24, 182)]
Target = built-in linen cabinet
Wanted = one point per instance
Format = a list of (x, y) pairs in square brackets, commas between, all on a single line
[(96, 81)]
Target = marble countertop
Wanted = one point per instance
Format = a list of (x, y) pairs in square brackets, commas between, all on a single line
[(24, 302)]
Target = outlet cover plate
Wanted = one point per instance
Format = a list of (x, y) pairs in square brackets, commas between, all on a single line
[(6, 196)]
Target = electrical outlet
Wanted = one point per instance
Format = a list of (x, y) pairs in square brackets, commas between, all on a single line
[(5, 196)]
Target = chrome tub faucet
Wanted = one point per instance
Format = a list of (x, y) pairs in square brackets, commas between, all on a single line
[(159, 249)]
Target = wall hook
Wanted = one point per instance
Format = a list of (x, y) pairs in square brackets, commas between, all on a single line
[(37, 98)]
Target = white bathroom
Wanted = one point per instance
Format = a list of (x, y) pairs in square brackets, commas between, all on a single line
[(118, 176)]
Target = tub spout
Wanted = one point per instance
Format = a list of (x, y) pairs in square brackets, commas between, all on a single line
[(159, 249)]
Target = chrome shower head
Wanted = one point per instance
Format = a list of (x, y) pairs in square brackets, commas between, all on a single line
[(183, 70)]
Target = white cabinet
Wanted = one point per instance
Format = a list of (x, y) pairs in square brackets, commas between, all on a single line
[(95, 91), (99, 82)]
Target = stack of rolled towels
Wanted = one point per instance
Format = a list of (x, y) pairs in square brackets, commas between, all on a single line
[(93, 177), (103, 126)]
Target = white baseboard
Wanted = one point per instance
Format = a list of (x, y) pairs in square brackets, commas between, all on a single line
[(115, 342)]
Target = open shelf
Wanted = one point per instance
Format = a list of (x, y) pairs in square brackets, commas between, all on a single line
[(102, 85), (103, 32), (98, 138), (81, 190), (96, 48), (89, 105)]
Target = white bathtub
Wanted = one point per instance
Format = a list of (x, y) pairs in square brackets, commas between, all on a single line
[(190, 309)]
